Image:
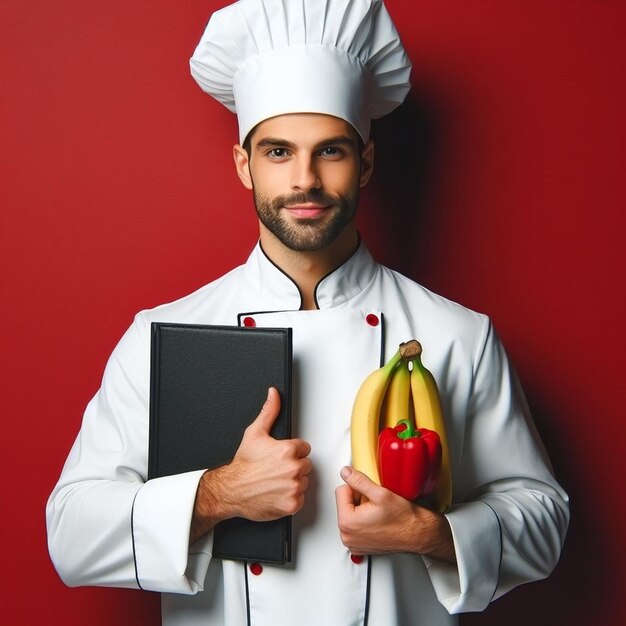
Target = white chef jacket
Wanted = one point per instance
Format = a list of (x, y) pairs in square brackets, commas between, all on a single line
[(108, 525)]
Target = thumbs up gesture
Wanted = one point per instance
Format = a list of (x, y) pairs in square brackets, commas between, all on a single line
[(266, 479), (276, 471)]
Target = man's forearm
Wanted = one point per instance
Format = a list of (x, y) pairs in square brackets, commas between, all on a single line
[(213, 503), (432, 536)]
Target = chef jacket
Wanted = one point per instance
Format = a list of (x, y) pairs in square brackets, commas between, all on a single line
[(109, 525)]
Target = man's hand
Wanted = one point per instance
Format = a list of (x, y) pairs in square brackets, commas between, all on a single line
[(374, 520), (266, 479)]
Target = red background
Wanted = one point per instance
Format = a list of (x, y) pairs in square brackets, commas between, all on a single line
[(499, 184)]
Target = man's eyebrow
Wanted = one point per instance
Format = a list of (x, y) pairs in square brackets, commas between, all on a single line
[(277, 142), (272, 142)]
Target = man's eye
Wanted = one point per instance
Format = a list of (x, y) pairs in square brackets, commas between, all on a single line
[(278, 153), (331, 151)]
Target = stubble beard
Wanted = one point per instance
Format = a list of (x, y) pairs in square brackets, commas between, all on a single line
[(306, 235)]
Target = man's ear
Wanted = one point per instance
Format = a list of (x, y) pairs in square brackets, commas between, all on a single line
[(242, 164), (367, 163)]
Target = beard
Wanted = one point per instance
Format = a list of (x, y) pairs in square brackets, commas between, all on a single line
[(302, 234)]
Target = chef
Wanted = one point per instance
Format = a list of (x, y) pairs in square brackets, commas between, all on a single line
[(305, 79)]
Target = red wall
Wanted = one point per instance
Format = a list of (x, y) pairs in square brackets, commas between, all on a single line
[(499, 184)]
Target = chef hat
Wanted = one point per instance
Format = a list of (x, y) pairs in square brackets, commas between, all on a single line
[(262, 58)]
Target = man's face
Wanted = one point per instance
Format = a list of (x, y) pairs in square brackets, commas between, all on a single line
[(305, 171)]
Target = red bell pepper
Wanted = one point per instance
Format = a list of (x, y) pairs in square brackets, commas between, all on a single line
[(409, 460)]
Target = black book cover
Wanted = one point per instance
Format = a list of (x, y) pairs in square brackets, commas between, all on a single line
[(207, 384)]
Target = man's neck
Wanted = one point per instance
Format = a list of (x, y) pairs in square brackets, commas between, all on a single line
[(306, 269)]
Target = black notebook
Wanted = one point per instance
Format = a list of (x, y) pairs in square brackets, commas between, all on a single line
[(207, 384)]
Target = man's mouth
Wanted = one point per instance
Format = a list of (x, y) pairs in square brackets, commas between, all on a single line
[(307, 210)]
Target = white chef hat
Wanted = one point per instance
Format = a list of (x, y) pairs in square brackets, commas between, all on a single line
[(262, 58)]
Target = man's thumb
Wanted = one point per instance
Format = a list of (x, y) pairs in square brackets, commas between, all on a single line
[(357, 481), (269, 411)]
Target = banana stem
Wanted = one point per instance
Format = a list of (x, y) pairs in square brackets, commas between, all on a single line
[(393, 362), (410, 350)]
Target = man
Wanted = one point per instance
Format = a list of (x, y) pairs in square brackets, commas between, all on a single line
[(305, 79)]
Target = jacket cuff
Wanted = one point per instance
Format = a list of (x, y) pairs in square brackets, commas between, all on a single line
[(471, 584), (161, 522)]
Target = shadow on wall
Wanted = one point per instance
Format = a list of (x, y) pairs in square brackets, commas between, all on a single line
[(404, 223), (398, 205), (583, 590)]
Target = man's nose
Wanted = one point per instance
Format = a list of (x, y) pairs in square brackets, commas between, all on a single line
[(304, 174)]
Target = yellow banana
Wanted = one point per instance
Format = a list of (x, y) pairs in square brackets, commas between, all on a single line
[(397, 403), (428, 414), (365, 419)]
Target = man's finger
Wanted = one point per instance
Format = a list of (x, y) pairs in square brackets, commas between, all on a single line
[(344, 497), (302, 448), (269, 411), (359, 482)]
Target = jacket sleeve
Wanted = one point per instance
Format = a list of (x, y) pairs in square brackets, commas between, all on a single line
[(106, 524), (509, 515)]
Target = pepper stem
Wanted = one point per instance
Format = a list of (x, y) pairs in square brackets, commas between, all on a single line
[(408, 432)]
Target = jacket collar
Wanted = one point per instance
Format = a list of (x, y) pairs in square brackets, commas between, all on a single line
[(280, 292)]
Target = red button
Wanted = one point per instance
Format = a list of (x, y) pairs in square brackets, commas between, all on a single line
[(372, 319), (249, 322), (357, 558), (256, 568)]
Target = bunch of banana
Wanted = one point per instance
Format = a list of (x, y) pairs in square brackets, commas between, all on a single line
[(401, 389)]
